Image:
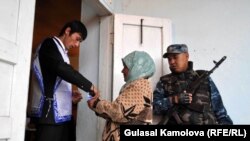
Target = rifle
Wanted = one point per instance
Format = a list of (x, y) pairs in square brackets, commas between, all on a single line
[(191, 89)]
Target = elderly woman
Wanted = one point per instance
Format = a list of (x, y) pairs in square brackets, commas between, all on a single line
[(133, 105)]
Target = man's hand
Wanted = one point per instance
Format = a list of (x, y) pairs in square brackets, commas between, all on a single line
[(94, 92), (76, 96)]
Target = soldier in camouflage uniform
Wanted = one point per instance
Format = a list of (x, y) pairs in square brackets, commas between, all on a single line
[(171, 100)]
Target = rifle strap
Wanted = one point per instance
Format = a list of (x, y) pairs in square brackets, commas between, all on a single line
[(177, 118)]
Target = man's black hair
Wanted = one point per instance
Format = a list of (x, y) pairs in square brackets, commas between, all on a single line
[(75, 26)]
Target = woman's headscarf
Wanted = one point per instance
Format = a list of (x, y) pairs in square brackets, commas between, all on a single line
[(140, 65)]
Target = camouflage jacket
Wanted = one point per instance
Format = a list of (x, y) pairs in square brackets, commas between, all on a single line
[(161, 103)]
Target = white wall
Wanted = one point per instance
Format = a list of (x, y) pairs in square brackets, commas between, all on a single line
[(88, 65), (212, 29), (89, 126)]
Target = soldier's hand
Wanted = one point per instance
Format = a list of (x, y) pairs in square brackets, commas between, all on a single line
[(183, 98)]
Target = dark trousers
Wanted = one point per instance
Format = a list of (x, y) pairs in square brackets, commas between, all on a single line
[(63, 132)]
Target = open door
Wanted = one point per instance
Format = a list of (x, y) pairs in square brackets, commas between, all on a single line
[(16, 33)]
